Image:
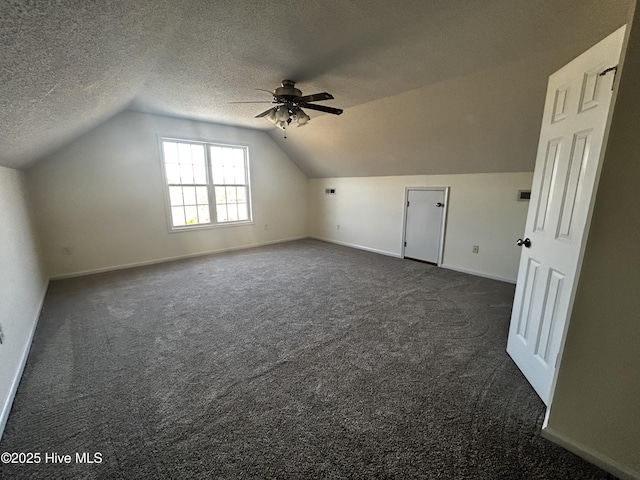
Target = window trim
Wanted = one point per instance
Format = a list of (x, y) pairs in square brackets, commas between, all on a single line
[(210, 186)]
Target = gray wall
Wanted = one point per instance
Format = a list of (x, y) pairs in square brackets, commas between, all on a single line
[(102, 196), (22, 284), (483, 210)]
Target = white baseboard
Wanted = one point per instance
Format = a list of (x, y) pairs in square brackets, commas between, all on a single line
[(478, 274), (359, 247), (170, 259), (397, 255), (590, 455), (6, 408)]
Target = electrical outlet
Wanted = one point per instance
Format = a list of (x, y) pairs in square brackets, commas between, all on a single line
[(266, 226), (476, 248), (1, 334), (66, 250), (337, 227)]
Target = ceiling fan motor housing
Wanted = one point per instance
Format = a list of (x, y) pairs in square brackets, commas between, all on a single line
[(287, 90)]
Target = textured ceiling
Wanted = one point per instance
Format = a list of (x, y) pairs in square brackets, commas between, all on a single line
[(427, 86)]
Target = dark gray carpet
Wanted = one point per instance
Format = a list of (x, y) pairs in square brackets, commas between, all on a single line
[(301, 360)]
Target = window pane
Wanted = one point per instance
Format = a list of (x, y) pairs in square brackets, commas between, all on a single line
[(191, 215), (238, 156), (239, 176), (221, 213), (232, 212), (221, 196), (229, 176), (173, 173), (184, 153), (202, 197), (227, 155), (189, 195), (203, 214), (239, 171), (243, 211), (238, 165), (216, 153), (186, 173), (231, 195), (200, 174), (177, 214), (170, 152), (242, 194), (217, 173), (227, 160), (197, 154), (175, 195)]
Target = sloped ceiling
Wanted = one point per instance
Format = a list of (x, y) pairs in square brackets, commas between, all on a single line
[(427, 86)]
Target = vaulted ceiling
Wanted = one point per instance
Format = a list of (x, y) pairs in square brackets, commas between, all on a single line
[(428, 86)]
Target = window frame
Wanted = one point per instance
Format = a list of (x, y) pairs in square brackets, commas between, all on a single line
[(210, 185)]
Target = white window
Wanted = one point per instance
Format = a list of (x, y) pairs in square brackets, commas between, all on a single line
[(207, 184)]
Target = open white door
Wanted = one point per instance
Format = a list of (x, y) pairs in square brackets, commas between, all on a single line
[(564, 181)]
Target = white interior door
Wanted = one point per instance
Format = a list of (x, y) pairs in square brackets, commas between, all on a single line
[(424, 223), (564, 181)]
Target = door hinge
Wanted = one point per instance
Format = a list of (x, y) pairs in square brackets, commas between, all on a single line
[(408, 203), (405, 244)]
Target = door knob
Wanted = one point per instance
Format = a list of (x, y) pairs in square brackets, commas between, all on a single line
[(526, 242), (439, 204)]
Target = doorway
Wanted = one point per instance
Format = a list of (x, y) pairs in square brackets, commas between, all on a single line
[(425, 216)]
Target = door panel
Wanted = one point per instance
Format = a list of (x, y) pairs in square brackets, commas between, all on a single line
[(564, 181), (576, 171), (530, 285), (549, 315), (547, 180)]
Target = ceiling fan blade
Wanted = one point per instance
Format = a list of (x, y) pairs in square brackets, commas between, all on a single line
[(322, 108), (257, 101), (266, 112), (316, 97)]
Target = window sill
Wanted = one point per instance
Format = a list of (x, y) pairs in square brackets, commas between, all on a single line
[(209, 226)]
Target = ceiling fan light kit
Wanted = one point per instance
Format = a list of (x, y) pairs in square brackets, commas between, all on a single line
[(289, 102), (302, 118), (282, 116)]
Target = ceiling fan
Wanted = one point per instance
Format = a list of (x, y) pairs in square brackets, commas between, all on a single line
[(289, 102)]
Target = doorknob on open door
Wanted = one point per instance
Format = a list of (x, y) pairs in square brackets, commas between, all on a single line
[(526, 242), (439, 204)]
